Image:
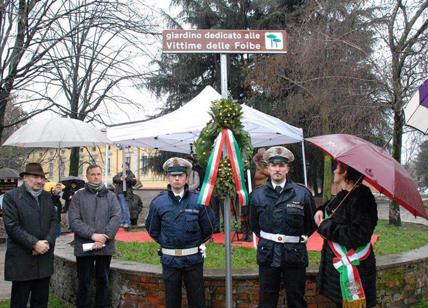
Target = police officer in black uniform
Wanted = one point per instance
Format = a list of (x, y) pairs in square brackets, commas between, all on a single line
[(180, 225), (281, 214)]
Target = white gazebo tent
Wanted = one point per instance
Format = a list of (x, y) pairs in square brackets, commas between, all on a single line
[(176, 131)]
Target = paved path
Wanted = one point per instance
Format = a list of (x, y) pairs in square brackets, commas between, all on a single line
[(406, 216), (4, 285)]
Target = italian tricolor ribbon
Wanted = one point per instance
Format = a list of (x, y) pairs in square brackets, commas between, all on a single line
[(346, 263), (224, 138)]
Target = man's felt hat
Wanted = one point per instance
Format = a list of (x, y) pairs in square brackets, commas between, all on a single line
[(33, 169)]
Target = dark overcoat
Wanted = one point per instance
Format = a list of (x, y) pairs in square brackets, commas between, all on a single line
[(352, 226), (27, 222)]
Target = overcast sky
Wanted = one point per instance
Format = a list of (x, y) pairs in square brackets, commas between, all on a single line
[(149, 104)]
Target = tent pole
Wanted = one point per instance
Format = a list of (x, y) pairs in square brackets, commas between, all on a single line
[(304, 163), (250, 189)]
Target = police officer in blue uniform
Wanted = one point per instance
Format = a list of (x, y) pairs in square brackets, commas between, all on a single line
[(180, 225), (281, 214)]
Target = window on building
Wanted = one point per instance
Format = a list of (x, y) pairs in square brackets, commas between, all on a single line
[(50, 169), (108, 165), (144, 164), (62, 169), (80, 167)]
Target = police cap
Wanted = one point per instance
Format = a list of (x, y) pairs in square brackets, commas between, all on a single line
[(177, 165), (277, 155)]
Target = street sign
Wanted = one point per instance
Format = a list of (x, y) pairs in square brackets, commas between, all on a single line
[(224, 41)]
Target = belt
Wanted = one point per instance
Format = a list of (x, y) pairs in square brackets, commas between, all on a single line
[(180, 252), (281, 238)]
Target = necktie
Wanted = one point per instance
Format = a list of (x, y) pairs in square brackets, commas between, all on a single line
[(178, 198), (278, 189)]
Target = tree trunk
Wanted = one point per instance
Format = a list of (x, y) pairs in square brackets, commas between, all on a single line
[(394, 209), (326, 193), (4, 99), (74, 161)]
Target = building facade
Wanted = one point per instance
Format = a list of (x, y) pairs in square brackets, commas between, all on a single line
[(137, 158)]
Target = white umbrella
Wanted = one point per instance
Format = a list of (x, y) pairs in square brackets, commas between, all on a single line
[(57, 133)]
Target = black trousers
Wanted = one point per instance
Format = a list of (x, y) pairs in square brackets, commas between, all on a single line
[(218, 208), (39, 289), (85, 269), (193, 280), (294, 280)]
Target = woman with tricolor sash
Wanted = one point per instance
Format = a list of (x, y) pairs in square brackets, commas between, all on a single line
[(347, 273)]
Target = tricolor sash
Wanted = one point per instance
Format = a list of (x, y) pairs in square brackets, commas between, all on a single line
[(224, 138), (346, 263)]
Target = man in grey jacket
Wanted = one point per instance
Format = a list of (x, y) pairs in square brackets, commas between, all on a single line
[(94, 217), (30, 221)]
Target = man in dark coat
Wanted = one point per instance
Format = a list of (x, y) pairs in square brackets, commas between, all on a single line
[(135, 205), (180, 225), (30, 221), (94, 217), (125, 180), (281, 214)]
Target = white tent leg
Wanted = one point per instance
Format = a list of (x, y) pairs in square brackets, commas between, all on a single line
[(250, 189), (304, 163)]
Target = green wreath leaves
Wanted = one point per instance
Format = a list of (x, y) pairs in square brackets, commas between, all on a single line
[(225, 113)]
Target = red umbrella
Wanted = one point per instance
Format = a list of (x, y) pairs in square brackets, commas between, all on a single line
[(378, 167)]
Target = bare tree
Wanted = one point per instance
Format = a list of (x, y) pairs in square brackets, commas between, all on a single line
[(25, 38), (13, 157), (87, 66), (325, 83), (402, 66)]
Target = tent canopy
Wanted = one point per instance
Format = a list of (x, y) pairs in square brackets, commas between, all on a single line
[(176, 131)]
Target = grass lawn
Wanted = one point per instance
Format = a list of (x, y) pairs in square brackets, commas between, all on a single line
[(54, 302), (391, 240)]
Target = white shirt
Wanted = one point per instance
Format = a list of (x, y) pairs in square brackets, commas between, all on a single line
[(282, 184), (180, 194)]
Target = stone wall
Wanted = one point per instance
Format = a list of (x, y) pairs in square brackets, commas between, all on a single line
[(402, 281)]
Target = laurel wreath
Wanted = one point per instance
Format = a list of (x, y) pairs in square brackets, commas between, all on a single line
[(225, 113)]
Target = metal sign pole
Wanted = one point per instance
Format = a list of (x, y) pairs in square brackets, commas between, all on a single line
[(227, 239)]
